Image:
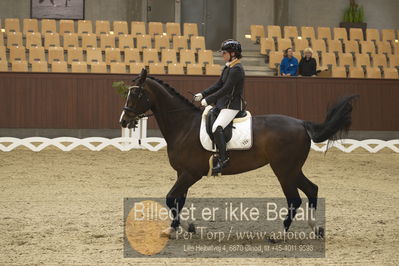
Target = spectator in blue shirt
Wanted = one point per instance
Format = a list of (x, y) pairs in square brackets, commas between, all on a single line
[(289, 64)]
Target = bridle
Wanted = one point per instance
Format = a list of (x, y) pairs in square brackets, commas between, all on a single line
[(140, 93), (139, 96)]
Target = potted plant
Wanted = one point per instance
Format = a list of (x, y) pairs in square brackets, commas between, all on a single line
[(354, 17)]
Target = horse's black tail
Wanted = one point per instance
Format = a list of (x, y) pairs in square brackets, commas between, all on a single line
[(337, 122)]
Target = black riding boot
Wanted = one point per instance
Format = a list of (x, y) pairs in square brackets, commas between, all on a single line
[(218, 137)]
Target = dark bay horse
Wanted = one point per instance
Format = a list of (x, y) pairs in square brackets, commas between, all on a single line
[(281, 141)]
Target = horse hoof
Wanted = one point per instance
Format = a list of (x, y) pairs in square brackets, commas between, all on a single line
[(188, 227), (191, 228), (272, 240), (168, 232), (320, 232)]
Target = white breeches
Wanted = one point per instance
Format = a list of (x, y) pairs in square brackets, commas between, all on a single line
[(224, 118)]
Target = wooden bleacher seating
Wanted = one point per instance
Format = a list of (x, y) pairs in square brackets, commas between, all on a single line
[(176, 69), (157, 68)]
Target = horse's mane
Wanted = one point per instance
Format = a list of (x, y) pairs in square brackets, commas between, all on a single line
[(174, 92)]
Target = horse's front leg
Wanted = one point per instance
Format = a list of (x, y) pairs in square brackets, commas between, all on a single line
[(176, 199)]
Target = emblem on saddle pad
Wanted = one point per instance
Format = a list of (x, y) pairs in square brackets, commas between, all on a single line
[(238, 134)]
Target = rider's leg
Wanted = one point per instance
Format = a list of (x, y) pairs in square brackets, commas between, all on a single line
[(224, 118)]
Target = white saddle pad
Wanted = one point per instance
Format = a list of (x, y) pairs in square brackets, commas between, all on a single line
[(242, 133)]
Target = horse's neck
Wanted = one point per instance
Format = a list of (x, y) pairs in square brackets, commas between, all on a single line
[(174, 117)]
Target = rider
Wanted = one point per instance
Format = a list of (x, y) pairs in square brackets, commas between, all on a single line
[(226, 93)]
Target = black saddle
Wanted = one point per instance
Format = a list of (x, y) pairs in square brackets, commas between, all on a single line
[(228, 131)]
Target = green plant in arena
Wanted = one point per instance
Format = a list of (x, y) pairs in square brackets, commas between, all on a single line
[(354, 14), (121, 88)]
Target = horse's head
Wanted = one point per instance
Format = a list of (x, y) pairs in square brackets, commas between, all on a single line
[(137, 102)]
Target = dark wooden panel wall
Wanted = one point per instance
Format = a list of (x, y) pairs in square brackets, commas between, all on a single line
[(50, 100)]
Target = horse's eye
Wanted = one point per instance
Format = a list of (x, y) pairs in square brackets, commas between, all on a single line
[(138, 93)]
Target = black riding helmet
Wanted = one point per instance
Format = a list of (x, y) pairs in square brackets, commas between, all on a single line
[(232, 46)]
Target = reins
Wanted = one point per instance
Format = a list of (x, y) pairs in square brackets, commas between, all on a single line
[(186, 108), (170, 111), (126, 108)]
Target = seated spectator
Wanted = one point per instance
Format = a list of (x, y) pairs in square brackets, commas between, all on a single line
[(307, 65), (289, 64)]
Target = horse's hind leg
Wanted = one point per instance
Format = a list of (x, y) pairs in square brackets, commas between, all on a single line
[(310, 190), (288, 184), (293, 201)]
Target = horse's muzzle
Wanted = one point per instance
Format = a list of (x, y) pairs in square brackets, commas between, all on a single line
[(130, 125), (123, 123)]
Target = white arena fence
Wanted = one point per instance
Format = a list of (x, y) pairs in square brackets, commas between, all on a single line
[(137, 139), (155, 144)]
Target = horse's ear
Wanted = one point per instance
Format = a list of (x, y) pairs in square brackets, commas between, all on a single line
[(143, 76)]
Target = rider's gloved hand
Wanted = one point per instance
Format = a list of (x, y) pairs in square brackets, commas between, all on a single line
[(204, 103), (198, 97)]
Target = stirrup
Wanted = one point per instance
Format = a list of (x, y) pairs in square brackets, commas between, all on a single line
[(217, 169)]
